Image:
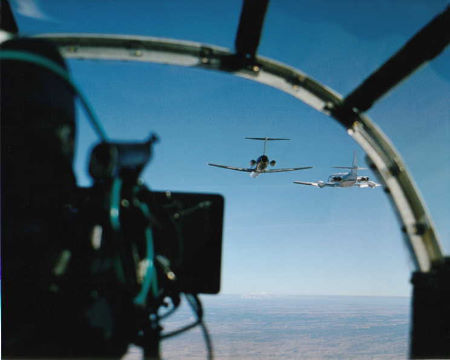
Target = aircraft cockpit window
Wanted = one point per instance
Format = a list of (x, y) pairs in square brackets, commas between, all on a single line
[(304, 270)]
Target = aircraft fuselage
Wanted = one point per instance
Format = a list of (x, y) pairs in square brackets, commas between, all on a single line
[(343, 179), (261, 164)]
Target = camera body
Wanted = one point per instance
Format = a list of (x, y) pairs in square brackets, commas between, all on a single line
[(186, 227)]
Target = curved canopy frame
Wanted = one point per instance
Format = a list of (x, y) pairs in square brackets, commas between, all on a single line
[(416, 224)]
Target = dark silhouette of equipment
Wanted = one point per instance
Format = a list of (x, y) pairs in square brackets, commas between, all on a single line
[(86, 271)]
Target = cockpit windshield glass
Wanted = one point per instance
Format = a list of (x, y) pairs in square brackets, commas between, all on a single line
[(307, 270)]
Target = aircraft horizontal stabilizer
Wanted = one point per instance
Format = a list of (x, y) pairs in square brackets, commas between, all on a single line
[(349, 167), (266, 138)]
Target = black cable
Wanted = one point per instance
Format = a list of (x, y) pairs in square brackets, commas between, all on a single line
[(174, 308), (195, 304), (197, 307), (179, 331), (182, 329), (208, 342)]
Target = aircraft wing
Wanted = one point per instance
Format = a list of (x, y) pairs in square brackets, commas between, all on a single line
[(286, 169), (319, 184), (231, 167), (308, 183)]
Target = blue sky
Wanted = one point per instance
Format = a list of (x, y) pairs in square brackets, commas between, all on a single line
[(278, 237)]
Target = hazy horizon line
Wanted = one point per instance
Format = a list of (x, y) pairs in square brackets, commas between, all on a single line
[(267, 294)]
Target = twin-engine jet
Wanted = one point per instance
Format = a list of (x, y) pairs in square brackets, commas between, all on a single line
[(346, 179), (259, 166)]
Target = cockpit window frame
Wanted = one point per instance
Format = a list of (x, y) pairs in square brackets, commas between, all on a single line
[(416, 224)]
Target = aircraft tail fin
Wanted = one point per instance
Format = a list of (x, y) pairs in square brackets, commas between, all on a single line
[(265, 139), (355, 160), (354, 168)]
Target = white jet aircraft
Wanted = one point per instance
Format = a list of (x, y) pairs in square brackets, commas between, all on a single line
[(259, 166), (346, 179)]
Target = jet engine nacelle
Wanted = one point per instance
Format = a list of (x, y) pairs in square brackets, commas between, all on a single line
[(372, 185), (321, 184), (273, 163), (252, 162)]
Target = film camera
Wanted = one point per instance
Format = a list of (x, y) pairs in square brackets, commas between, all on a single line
[(88, 271)]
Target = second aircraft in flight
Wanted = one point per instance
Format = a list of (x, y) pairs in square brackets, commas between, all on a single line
[(346, 179)]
